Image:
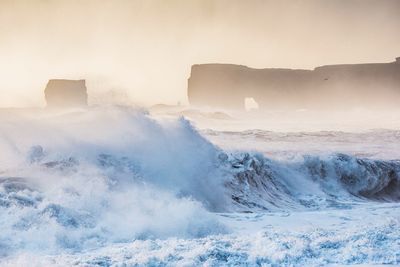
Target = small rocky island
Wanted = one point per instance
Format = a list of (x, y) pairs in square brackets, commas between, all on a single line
[(62, 93)]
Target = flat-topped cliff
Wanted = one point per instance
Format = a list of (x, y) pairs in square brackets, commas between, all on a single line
[(374, 85), (61, 93)]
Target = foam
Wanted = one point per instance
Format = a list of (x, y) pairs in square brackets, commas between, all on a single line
[(89, 178), (73, 182)]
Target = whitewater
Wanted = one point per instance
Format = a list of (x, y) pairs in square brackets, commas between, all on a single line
[(122, 186)]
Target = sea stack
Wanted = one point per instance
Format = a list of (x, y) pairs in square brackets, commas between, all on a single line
[(61, 93)]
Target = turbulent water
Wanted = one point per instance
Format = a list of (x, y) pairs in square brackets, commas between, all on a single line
[(121, 187)]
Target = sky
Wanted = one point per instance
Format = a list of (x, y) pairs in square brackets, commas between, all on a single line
[(144, 49)]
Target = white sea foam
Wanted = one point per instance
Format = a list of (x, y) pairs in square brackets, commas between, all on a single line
[(85, 179), (114, 186)]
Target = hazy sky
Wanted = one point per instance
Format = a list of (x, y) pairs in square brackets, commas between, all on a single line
[(146, 47)]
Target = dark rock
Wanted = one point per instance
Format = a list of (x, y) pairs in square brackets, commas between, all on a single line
[(333, 86), (66, 93)]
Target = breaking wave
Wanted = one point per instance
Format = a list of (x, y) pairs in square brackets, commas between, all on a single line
[(83, 179), (314, 182)]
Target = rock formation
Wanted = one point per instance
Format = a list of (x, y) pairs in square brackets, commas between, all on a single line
[(374, 85), (66, 93)]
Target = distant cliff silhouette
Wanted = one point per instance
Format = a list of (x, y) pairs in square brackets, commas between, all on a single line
[(374, 85), (66, 93)]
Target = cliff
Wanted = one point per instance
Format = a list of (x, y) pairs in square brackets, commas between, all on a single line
[(333, 86), (66, 93)]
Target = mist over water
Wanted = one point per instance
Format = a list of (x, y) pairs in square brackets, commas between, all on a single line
[(146, 48), (278, 177)]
